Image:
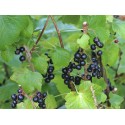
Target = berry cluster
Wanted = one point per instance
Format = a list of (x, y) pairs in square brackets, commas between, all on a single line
[(79, 62), (17, 98), (40, 99), (94, 69), (49, 75), (18, 51)]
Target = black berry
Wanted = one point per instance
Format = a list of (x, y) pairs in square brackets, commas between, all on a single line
[(99, 52), (47, 80), (20, 97), (35, 99), (44, 94), (17, 52), (78, 67), (14, 97), (77, 55), (22, 49), (96, 39), (83, 56), (88, 77), (51, 76), (22, 58), (13, 105), (93, 46)]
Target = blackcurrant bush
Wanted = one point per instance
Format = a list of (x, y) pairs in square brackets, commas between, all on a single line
[(35, 99), (93, 47), (22, 49), (17, 52), (14, 97), (22, 58), (99, 52), (20, 97), (83, 56)]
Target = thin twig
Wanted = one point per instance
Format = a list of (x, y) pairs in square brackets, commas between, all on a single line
[(37, 41), (58, 31), (28, 55), (94, 97)]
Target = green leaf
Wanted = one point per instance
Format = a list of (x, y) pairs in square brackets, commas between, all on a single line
[(11, 29), (40, 63), (73, 19), (109, 18), (7, 90), (85, 87), (27, 79), (79, 101), (119, 27), (50, 102), (83, 41), (27, 104), (115, 99), (61, 58), (110, 54), (59, 82)]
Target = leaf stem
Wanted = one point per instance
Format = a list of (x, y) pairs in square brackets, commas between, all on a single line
[(58, 31)]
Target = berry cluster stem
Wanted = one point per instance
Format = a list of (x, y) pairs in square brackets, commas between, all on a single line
[(40, 35), (58, 31)]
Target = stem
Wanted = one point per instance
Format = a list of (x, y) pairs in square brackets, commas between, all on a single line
[(58, 31), (118, 63), (30, 100), (94, 97), (28, 55), (6, 70), (40, 35)]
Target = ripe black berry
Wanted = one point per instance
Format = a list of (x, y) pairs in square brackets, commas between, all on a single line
[(22, 58), (22, 49), (35, 99), (44, 94), (89, 77), (82, 63), (43, 106), (77, 80), (99, 44), (40, 105), (77, 55), (39, 94), (83, 56), (20, 90), (64, 70), (89, 69), (73, 65), (78, 67), (76, 60), (40, 101), (72, 78), (96, 39), (13, 105), (17, 52), (15, 102), (93, 46), (51, 76), (66, 82), (47, 80), (99, 52), (20, 97), (14, 97)]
